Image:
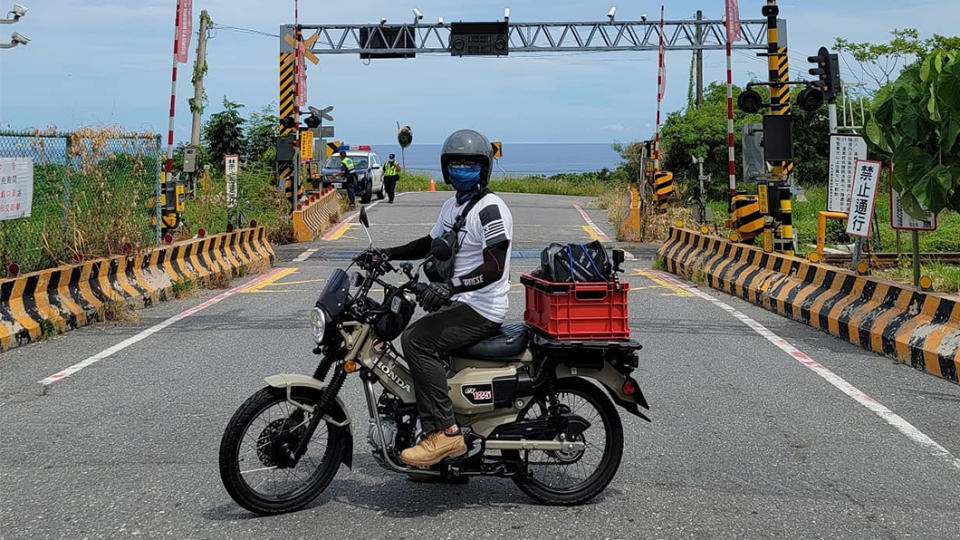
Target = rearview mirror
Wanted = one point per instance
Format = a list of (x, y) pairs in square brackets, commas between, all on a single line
[(363, 218)]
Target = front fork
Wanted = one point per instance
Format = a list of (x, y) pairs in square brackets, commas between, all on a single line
[(326, 398)]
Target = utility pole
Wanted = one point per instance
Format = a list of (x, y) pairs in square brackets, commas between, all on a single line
[(196, 106), (699, 57)]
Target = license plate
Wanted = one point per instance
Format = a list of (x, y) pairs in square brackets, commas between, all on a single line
[(338, 185)]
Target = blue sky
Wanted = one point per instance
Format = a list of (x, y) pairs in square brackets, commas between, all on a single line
[(95, 62)]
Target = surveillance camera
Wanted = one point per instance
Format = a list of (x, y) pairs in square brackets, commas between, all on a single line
[(643, 17), (612, 13), (417, 15), (383, 21), (440, 21), (19, 10), (19, 38), (506, 14)]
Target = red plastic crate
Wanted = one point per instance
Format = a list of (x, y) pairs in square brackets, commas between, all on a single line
[(577, 311)]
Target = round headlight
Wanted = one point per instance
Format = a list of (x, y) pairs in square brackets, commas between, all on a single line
[(318, 324)]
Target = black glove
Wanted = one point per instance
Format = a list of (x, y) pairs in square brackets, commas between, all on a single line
[(369, 257), (433, 296)]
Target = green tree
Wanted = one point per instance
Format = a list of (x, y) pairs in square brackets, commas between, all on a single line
[(915, 122), (262, 132), (879, 62), (223, 132)]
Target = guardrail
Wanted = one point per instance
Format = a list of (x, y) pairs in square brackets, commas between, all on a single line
[(312, 218), (66, 297), (897, 321)]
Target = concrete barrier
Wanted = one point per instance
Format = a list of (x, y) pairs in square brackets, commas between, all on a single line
[(315, 216), (897, 321), (70, 296)]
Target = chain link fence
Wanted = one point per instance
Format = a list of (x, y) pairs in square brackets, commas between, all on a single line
[(93, 195)]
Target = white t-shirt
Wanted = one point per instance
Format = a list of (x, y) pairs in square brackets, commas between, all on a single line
[(488, 224)]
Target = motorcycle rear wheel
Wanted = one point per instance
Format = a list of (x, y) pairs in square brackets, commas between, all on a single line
[(250, 451), (555, 465)]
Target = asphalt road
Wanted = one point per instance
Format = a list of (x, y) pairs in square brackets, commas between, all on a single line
[(745, 441)]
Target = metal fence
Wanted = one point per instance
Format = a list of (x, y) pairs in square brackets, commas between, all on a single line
[(93, 194)]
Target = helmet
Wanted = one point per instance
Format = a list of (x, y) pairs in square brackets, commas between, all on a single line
[(392, 156), (343, 153), (467, 143)]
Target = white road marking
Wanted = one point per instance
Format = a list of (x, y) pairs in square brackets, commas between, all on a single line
[(873, 405), (602, 235), (305, 255), (63, 374)]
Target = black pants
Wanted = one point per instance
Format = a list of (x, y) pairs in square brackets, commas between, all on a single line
[(426, 344), (390, 185), (350, 182)]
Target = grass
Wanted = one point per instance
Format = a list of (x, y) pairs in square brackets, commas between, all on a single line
[(185, 288), (946, 278), (118, 311)]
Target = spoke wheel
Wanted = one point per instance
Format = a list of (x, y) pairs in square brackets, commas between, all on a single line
[(574, 477), (256, 453)]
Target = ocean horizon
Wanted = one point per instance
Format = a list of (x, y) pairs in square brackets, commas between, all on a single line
[(520, 159)]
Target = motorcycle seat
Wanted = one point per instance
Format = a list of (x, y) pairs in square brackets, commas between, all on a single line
[(509, 342)]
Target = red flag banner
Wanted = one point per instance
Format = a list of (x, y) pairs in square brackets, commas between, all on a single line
[(301, 76), (733, 21), (184, 29)]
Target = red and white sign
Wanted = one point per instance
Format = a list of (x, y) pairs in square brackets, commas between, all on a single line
[(733, 21), (301, 76), (16, 187), (866, 175), (184, 29)]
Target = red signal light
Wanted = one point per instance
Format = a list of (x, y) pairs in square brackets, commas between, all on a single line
[(253, 223), (201, 233), (13, 270), (168, 239)]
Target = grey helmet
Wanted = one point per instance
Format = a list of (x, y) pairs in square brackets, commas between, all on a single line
[(467, 143)]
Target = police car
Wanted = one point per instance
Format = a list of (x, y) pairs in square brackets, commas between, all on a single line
[(367, 166)]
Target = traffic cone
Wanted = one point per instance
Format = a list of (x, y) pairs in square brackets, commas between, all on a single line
[(433, 186)]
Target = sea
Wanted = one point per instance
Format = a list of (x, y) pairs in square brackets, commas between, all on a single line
[(522, 159)]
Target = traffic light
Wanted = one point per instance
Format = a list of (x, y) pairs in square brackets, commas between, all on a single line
[(750, 101), (827, 72), (312, 121)]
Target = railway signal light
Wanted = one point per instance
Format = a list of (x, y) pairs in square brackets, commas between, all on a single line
[(750, 101), (810, 99), (827, 72)]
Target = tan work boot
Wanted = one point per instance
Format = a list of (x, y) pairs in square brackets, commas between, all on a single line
[(433, 448)]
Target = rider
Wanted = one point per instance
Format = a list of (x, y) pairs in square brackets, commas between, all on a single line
[(348, 171), (464, 306)]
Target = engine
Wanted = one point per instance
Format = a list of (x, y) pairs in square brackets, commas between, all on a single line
[(399, 423)]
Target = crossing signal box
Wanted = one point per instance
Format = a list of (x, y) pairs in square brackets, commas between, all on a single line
[(827, 72), (479, 39)]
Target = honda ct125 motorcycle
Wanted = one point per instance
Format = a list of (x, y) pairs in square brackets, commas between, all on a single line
[(538, 411)]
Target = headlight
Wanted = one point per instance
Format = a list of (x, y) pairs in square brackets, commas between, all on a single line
[(318, 324)]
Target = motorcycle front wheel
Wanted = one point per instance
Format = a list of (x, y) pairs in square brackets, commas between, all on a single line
[(255, 466), (555, 477)]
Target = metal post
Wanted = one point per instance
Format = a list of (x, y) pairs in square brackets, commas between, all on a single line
[(779, 72), (66, 193), (699, 56), (832, 110), (915, 236)]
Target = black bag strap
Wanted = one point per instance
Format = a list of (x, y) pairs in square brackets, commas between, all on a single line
[(462, 218)]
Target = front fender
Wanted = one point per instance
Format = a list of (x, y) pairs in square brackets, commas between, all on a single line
[(289, 381), (613, 381)]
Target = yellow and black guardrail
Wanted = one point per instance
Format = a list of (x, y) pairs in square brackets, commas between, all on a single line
[(909, 325), (70, 296), (316, 215)]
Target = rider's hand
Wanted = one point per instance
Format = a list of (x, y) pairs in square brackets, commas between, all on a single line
[(370, 257), (434, 296)]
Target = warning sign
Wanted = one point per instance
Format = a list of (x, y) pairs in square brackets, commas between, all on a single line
[(862, 197), (900, 219), (844, 151)]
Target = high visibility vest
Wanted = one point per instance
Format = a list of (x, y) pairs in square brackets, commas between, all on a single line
[(348, 163), (390, 169)]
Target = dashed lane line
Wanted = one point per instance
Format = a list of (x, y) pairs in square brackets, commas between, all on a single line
[(106, 353), (888, 416)]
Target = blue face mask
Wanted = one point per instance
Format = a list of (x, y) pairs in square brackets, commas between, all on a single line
[(464, 178)]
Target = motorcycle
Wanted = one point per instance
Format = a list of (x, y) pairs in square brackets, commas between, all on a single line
[(525, 404)]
